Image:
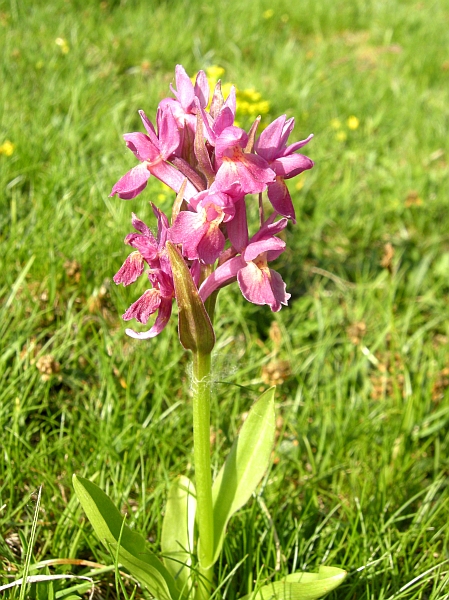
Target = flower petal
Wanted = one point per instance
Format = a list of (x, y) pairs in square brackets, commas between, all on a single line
[(292, 165), (131, 269), (160, 323), (297, 145), (132, 183), (237, 228), (141, 145), (280, 198), (211, 244), (201, 88), (144, 307), (271, 244), (262, 286), (223, 275), (166, 173), (269, 142)]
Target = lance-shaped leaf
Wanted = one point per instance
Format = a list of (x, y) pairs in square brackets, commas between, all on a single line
[(195, 329), (132, 553), (301, 586), (178, 531), (245, 465)]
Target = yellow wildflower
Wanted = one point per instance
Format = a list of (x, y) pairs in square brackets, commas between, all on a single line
[(7, 148), (250, 94), (62, 43), (214, 72), (353, 122), (335, 123), (262, 107), (341, 136), (268, 13)]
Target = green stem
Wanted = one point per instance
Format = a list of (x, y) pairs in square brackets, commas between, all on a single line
[(203, 478)]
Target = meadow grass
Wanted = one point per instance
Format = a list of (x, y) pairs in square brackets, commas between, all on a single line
[(361, 354)]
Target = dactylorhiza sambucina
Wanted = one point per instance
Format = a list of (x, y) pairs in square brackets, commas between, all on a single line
[(215, 168)]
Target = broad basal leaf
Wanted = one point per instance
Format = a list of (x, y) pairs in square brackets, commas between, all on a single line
[(178, 531), (133, 555), (301, 586), (245, 465)]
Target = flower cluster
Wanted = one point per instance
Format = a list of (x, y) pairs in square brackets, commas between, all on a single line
[(213, 166)]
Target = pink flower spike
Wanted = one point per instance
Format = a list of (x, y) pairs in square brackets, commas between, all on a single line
[(131, 269)]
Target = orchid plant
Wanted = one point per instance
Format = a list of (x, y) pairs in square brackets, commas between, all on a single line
[(215, 168)]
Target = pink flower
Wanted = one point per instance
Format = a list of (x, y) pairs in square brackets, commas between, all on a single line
[(131, 269), (258, 283), (151, 250), (272, 146), (159, 298), (154, 153), (222, 114), (239, 172), (184, 108), (186, 92), (199, 232)]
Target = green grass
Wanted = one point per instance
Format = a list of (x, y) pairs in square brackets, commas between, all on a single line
[(361, 462)]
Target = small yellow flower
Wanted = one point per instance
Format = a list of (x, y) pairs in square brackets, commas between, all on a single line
[(341, 136), (268, 13), (62, 43), (353, 122), (335, 123), (7, 148), (262, 107), (214, 72), (244, 107), (251, 95)]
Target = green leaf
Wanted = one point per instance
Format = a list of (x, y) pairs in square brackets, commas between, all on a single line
[(301, 586), (245, 465), (178, 531), (133, 555), (194, 326)]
